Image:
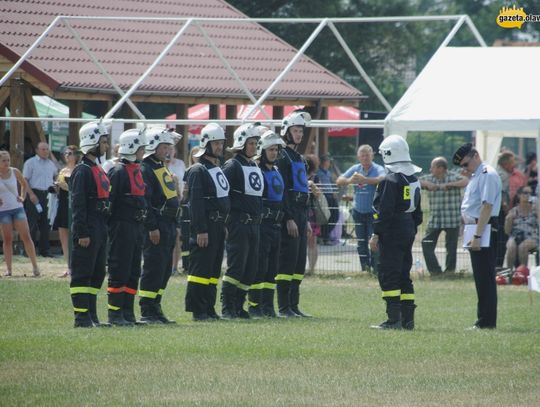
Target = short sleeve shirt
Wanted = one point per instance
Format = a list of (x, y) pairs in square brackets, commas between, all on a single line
[(485, 186), (363, 193), (39, 172), (444, 206)]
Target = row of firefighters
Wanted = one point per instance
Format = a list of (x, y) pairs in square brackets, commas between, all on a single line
[(255, 206)]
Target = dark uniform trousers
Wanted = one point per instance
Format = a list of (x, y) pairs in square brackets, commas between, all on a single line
[(262, 289), (88, 266), (184, 231), (242, 257), (483, 264), (205, 270), (126, 239), (395, 262), (157, 266), (38, 222), (292, 261)]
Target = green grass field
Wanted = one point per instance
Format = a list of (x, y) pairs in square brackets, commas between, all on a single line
[(331, 360)]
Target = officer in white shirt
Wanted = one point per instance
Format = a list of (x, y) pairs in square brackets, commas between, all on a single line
[(480, 206)]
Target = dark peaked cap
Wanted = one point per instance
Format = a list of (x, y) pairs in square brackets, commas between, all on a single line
[(461, 153)]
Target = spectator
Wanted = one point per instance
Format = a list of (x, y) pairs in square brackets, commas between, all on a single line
[(12, 213), (313, 180), (365, 176), (61, 220), (531, 171), (178, 169), (445, 215), (328, 186), (108, 164), (521, 224), (512, 179), (40, 172)]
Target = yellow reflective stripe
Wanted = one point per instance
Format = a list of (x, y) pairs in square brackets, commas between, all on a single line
[(270, 286), (407, 297), (93, 290), (114, 308), (284, 277), (198, 280), (298, 277), (258, 286), (375, 216), (231, 280), (160, 291), (147, 294), (252, 304), (391, 293), (184, 253), (80, 309), (244, 287), (79, 290), (214, 281)]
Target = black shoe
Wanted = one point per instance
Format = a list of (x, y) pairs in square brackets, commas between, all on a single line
[(212, 314), (83, 321), (49, 255), (297, 311), (150, 319), (388, 325), (226, 314), (161, 316), (269, 312), (116, 318), (255, 312), (200, 316), (242, 314), (288, 313)]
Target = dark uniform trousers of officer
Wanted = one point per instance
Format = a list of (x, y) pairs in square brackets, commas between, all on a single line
[(243, 227), (185, 231), (483, 263), (293, 252), (398, 214), (163, 211), (126, 231), (208, 215), (38, 222), (89, 201)]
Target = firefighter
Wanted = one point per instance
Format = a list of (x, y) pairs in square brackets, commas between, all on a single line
[(294, 233), (90, 206), (126, 230), (396, 219), (263, 287), (208, 197), (163, 215), (246, 182)]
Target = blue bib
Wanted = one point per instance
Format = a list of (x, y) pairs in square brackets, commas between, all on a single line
[(299, 176), (274, 185)]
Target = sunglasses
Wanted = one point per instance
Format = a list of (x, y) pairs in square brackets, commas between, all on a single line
[(69, 153), (526, 192)]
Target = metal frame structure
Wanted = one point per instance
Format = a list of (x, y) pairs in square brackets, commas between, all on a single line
[(257, 103)]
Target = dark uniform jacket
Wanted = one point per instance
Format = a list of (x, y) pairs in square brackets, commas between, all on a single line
[(293, 169), (160, 192), (242, 200), (203, 194), (396, 197), (127, 192), (89, 197)]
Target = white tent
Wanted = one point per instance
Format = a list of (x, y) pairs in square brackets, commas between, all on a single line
[(494, 91)]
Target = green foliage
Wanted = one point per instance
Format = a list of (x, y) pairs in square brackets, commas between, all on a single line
[(331, 360)]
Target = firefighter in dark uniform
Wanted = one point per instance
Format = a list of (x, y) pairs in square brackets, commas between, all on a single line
[(208, 197), (396, 219), (481, 205), (243, 227), (163, 215), (126, 230), (294, 233), (262, 289), (90, 205)]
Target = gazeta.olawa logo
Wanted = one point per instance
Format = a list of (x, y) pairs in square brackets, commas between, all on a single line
[(514, 17)]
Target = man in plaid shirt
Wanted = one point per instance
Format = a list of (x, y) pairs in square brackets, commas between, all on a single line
[(445, 214)]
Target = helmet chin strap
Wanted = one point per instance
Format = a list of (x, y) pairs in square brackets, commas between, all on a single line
[(265, 159)]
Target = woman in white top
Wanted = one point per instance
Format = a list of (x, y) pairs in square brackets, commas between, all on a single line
[(178, 168), (12, 212)]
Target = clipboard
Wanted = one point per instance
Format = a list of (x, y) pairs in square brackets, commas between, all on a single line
[(469, 232)]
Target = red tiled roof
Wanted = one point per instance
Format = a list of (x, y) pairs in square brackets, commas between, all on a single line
[(126, 49)]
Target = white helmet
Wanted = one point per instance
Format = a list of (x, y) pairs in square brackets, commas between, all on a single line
[(395, 153), (296, 118), (244, 132), (210, 132), (268, 139), (155, 136), (89, 135), (129, 142)]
